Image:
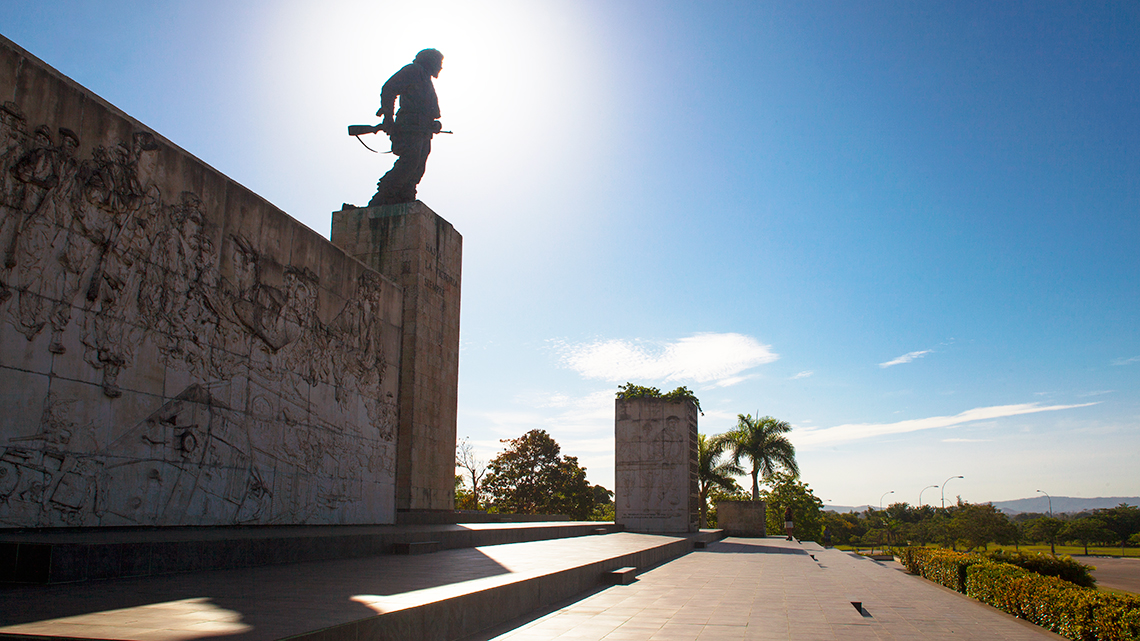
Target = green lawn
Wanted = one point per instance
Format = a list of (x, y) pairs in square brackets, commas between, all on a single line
[(1074, 550), (1071, 550)]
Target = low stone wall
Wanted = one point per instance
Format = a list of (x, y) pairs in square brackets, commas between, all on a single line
[(741, 518), (174, 350)]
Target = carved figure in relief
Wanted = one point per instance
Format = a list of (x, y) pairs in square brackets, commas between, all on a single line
[(258, 305), (13, 138), (98, 235), (410, 129), (38, 245), (35, 228), (60, 280), (172, 297), (110, 334)]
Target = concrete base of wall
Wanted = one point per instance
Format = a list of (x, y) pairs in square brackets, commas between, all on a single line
[(69, 556)]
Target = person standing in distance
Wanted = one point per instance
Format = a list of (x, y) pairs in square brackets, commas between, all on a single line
[(411, 128)]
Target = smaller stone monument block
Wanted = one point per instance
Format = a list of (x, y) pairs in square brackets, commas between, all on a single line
[(741, 518), (655, 452)]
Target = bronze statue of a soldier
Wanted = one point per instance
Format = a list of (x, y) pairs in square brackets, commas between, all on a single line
[(411, 128)]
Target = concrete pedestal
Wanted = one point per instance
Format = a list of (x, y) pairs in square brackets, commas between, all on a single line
[(422, 252), (741, 518)]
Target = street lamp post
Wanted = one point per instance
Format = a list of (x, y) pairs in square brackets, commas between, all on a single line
[(1050, 501), (944, 488), (923, 490), (1052, 545), (882, 497)]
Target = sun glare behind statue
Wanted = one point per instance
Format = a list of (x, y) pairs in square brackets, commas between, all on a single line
[(515, 87)]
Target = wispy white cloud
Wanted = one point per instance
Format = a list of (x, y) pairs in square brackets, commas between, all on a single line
[(966, 440), (701, 358), (905, 358), (803, 374), (851, 432), (727, 382), (1126, 361), (1101, 392)]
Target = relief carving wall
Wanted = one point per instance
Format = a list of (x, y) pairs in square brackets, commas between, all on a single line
[(173, 349), (655, 465)]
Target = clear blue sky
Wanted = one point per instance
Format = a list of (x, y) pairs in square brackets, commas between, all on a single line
[(908, 229)]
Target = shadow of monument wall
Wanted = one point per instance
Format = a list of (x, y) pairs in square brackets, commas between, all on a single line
[(174, 350)]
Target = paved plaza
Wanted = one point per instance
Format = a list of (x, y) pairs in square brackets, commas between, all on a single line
[(733, 589), (773, 589)]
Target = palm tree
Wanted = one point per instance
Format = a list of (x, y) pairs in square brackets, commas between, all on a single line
[(762, 442), (712, 472)]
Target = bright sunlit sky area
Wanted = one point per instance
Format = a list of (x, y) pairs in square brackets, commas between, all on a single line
[(907, 228)]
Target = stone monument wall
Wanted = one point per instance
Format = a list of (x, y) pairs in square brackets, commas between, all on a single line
[(655, 465), (422, 252), (174, 350), (741, 518)]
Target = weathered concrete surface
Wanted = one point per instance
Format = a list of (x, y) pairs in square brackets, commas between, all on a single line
[(741, 518), (174, 350), (413, 246), (655, 465)]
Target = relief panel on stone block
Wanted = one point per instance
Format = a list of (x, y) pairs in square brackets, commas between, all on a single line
[(197, 378)]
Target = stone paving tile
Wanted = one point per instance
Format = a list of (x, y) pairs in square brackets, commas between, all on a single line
[(758, 589), (273, 602)]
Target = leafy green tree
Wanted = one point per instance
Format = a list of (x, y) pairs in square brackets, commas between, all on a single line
[(845, 528), (1123, 520), (807, 510), (531, 477), (463, 497), (1087, 530), (763, 442), (604, 508), (602, 496), (603, 512), (1045, 528), (976, 525), (933, 527), (712, 472)]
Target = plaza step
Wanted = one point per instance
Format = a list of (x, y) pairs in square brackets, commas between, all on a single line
[(67, 555), (446, 595)]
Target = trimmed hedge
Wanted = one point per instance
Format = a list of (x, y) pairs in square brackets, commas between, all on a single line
[(1079, 613), (1063, 567), (944, 567)]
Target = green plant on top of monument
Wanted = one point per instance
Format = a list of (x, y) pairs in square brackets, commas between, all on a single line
[(629, 391), (532, 477), (763, 442)]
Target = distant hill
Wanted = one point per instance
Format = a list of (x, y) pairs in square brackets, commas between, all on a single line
[(844, 509), (1061, 504)]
